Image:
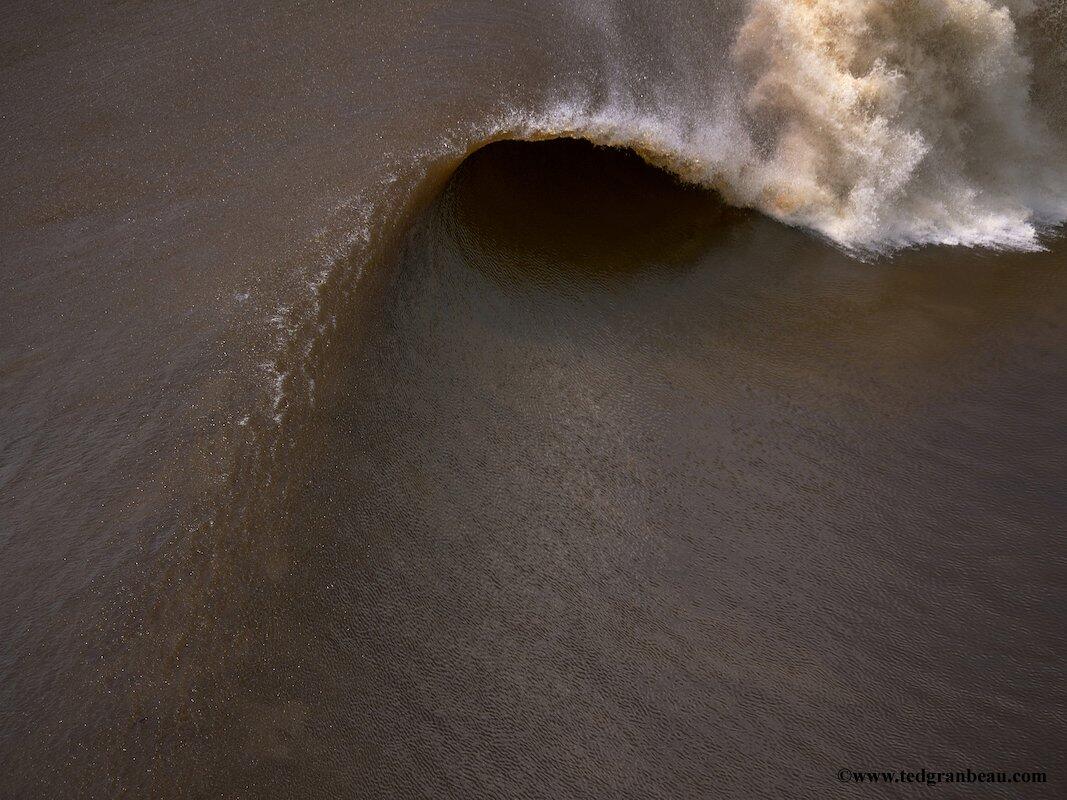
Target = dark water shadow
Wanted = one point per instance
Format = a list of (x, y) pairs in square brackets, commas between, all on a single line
[(567, 213)]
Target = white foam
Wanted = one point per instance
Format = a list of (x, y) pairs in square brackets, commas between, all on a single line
[(878, 123)]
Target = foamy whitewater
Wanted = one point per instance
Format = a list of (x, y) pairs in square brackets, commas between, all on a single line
[(878, 123)]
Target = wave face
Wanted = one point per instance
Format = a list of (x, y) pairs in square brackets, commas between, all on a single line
[(879, 124)]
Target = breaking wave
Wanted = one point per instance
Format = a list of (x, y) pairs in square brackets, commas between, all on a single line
[(879, 124)]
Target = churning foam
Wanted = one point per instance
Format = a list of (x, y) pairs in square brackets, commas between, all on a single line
[(879, 123)]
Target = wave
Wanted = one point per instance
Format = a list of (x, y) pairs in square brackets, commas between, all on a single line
[(877, 124)]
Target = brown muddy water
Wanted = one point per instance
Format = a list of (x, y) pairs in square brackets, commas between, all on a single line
[(350, 447)]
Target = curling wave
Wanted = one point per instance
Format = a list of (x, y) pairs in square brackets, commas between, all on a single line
[(878, 124)]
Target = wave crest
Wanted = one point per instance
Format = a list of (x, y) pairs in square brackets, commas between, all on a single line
[(878, 123)]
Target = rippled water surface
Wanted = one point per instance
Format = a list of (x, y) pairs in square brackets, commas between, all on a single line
[(350, 446)]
